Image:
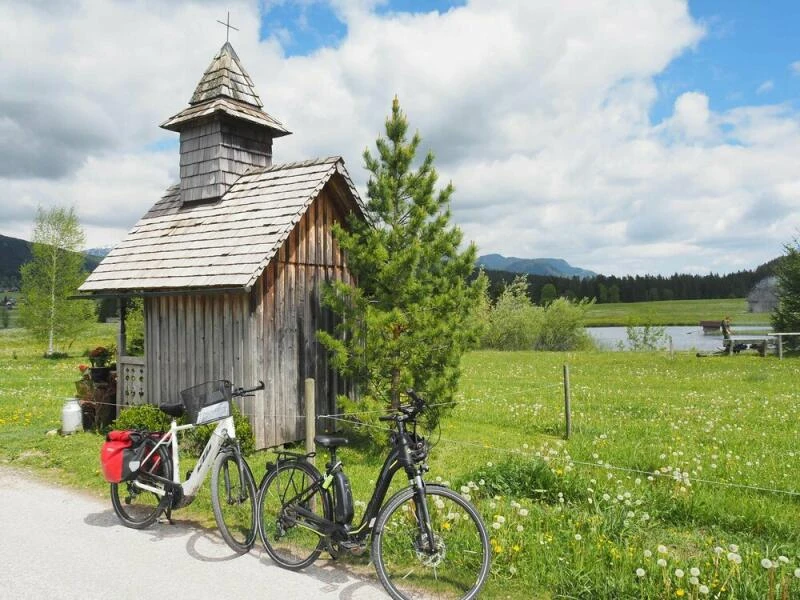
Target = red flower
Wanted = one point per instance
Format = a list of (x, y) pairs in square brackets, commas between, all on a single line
[(82, 368)]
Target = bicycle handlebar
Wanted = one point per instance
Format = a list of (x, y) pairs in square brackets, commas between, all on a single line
[(409, 411), (242, 392)]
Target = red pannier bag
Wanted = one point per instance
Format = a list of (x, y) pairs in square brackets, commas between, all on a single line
[(120, 455)]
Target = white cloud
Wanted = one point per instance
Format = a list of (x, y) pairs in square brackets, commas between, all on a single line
[(539, 114), (765, 87), (795, 67)]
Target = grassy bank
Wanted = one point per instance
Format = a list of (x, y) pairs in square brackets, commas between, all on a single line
[(674, 312), (682, 460)]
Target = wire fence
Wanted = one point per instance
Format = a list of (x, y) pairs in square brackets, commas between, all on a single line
[(358, 418)]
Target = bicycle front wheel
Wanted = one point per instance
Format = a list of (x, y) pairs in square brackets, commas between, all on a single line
[(289, 537), (135, 506), (233, 498), (455, 567)]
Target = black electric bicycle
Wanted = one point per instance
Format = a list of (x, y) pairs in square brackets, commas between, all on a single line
[(427, 541)]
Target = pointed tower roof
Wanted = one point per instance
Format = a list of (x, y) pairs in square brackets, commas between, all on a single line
[(226, 87)]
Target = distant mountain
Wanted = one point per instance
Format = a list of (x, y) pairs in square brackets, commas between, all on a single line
[(15, 252), (99, 252), (554, 267)]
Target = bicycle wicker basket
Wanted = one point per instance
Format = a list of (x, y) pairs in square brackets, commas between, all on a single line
[(207, 402)]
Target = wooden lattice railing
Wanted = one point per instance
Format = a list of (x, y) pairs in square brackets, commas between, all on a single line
[(131, 381)]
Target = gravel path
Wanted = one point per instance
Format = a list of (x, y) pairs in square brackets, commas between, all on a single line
[(59, 544)]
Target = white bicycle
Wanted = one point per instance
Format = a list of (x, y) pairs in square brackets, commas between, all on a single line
[(145, 476)]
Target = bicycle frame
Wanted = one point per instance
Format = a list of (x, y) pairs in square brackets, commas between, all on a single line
[(398, 458), (224, 430)]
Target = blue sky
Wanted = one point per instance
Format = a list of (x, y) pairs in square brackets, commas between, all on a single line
[(626, 137), (744, 58)]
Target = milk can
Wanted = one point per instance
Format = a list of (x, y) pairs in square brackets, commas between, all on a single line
[(71, 417)]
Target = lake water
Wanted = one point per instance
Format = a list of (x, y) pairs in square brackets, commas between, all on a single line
[(683, 338)]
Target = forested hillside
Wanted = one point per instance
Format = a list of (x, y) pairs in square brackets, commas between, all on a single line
[(14, 253), (641, 288)]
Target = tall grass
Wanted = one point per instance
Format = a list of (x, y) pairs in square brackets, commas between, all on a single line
[(678, 467)]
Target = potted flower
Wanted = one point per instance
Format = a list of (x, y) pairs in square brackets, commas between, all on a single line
[(100, 357)]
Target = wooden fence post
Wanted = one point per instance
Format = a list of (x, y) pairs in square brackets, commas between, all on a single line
[(311, 416), (567, 402)]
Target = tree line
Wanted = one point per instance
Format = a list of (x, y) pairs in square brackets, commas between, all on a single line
[(635, 288)]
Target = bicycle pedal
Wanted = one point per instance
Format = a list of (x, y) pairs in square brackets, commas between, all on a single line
[(354, 548)]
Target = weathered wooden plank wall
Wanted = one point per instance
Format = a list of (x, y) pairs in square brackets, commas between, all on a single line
[(268, 334), (192, 339), (292, 315)]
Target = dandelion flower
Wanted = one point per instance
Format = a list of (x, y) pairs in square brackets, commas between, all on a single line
[(679, 592), (661, 562), (766, 563), (733, 548), (662, 549), (640, 572), (578, 537), (797, 573), (496, 525), (500, 519), (783, 559), (523, 512), (647, 554), (694, 580), (679, 573), (694, 572), (703, 589), (520, 528)]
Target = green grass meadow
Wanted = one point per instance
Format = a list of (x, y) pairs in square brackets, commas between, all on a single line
[(673, 312), (680, 478)]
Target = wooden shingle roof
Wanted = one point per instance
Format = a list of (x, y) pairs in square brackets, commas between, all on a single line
[(224, 244), (226, 87)]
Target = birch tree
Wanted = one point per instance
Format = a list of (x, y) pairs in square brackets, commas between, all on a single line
[(52, 276)]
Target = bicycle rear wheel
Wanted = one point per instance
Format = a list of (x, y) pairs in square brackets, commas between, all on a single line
[(287, 537), (233, 498), (457, 566), (136, 507)]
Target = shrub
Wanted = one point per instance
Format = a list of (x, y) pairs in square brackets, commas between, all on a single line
[(563, 326), (149, 417), (646, 337), (142, 416), (514, 321), (194, 440)]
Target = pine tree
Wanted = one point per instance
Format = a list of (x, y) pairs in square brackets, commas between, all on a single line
[(52, 276), (412, 314), (786, 316)]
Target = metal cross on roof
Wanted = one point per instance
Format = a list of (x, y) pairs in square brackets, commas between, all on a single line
[(228, 25)]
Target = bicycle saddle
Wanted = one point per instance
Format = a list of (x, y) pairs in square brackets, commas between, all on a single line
[(173, 410), (331, 441)]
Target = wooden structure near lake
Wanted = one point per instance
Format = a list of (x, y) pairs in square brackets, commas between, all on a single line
[(232, 260)]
